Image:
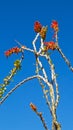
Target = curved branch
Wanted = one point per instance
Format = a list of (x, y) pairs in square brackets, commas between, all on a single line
[(22, 82)]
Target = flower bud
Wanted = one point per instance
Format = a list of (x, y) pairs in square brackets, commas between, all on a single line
[(37, 27)]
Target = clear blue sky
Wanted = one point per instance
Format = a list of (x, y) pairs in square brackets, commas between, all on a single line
[(16, 22)]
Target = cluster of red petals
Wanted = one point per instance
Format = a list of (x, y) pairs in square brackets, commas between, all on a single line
[(37, 26), (12, 50), (33, 107), (50, 45), (54, 25)]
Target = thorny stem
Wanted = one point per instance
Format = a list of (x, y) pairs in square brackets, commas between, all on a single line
[(62, 54), (44, 92), (42, 119), (45, 95), (55, 124), (52, 95), (34, 108), (42, 85), (36, 55), (65, 59), (42, 68), (38, 63), (54, 81)]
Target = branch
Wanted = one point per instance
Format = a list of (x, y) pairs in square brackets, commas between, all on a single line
[(42, 68), (42, 119), (45, 95), (22, 82), (41, 47), (34, 108), (34, 41), (23, 47), (53, 75), (37, 54), (38, 63), (65, 59), (41, 84), (28, 49)]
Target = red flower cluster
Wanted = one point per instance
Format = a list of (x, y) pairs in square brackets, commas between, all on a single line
[(33, 107), (12, 50), (37, 26), (39, 29), (54, 25), (50, 45)]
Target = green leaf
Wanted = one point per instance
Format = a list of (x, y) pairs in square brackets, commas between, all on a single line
[(17, 63), (13, 71)]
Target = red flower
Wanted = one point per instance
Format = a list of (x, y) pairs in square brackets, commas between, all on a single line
[(50, 45), (54, 25), (7, 53), (33, 107), (37, 26), (12, 50), (15, 50)]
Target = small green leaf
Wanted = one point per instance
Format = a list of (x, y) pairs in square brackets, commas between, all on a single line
[(13, 71), (17, 64)]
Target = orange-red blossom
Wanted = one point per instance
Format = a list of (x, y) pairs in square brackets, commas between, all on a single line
[(39, 29), (12, 50), (33, 107), (54, 25), (37, 26), (50, 45)]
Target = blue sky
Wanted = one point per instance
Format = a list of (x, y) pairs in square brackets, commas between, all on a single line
[(16, 22)]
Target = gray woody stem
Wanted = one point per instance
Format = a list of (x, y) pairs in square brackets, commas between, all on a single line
[(42, 119), (38, 63), (53, 75), (65, 59), (22, 82)]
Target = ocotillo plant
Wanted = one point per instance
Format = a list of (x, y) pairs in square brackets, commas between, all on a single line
[(49, 85)]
